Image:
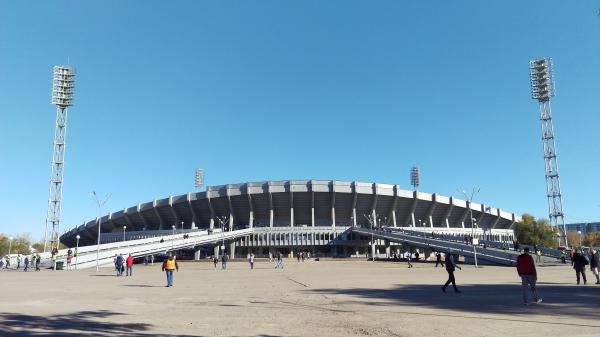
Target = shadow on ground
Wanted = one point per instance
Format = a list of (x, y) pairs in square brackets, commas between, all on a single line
[(98, 323), (88, 323), (564, 301)]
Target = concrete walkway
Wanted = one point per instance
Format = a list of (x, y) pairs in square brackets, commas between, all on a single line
[(326, 298)]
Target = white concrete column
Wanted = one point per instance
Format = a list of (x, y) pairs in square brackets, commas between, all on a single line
[(250, 208), (232, 250), (271, 212), (194, 216), (333, 205), (212, 212)]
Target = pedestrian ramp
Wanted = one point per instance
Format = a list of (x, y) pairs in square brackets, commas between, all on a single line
[(418, 240), (105, 253)]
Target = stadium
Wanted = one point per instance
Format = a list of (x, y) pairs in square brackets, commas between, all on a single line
[(291, 215)]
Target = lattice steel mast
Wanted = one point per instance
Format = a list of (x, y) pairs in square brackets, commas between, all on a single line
[(542, 89), (63, 88)]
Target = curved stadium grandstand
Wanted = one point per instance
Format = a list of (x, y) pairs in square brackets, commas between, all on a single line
[(298, 214)]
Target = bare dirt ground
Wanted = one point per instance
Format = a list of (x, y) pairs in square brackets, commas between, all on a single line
[(326, 298)]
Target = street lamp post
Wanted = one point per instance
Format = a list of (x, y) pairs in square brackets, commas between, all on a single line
[(580, 238), (124, 228), (100, 205), (77, 250), (371, 221), (182, 227), (475, 190), (173, 237), (223, 221), (10, 239)]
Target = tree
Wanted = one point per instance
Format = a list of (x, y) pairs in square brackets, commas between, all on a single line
[(535, 232), (20, 244), (592, 239)]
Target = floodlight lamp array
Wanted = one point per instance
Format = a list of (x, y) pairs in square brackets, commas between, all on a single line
[(63, 86), (415, 177), (199, 181), (542, 79)]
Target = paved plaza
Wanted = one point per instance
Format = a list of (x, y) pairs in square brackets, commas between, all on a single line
[(326, 298)]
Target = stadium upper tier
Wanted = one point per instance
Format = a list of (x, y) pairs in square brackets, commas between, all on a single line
[(297, 203)]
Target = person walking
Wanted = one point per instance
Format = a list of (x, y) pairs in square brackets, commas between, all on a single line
[(538, 254), (279, 261), (168, 266), (572, 254), (69, 259), (594, 262), (129, 264), (19, 261), (438, 259), (215, 260), (251, 260), (408, 257), (26, 263), (32, 260), (563, 256), (450, 267), (38, 260), (579, 263), (528, 273), (224, 259), (119, 265), (54, 258)]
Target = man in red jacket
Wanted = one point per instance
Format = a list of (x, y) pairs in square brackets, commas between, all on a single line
[(528, 274), (129, 263)]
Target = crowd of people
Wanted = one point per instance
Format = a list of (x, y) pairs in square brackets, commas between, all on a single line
[(27, 261)]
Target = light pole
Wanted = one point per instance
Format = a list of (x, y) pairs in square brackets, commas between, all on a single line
[(76, 250), (223, 221), (100, 205), (182, 227), (124, 228), (578, 232), (173, 237), (470, 200), (371, 221)]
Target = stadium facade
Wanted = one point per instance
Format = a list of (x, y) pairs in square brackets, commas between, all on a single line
[(297, 215)]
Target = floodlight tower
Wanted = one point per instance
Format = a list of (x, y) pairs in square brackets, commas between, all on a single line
[(542, 89), (63, 89), (199, 178), (415, 177)]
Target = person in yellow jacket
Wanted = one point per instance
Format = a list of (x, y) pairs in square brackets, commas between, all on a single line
[(168, 266)]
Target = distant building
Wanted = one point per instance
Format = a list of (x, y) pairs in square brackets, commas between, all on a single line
[(584, 227)]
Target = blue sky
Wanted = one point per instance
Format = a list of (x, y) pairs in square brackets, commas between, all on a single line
[(259, 90)]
